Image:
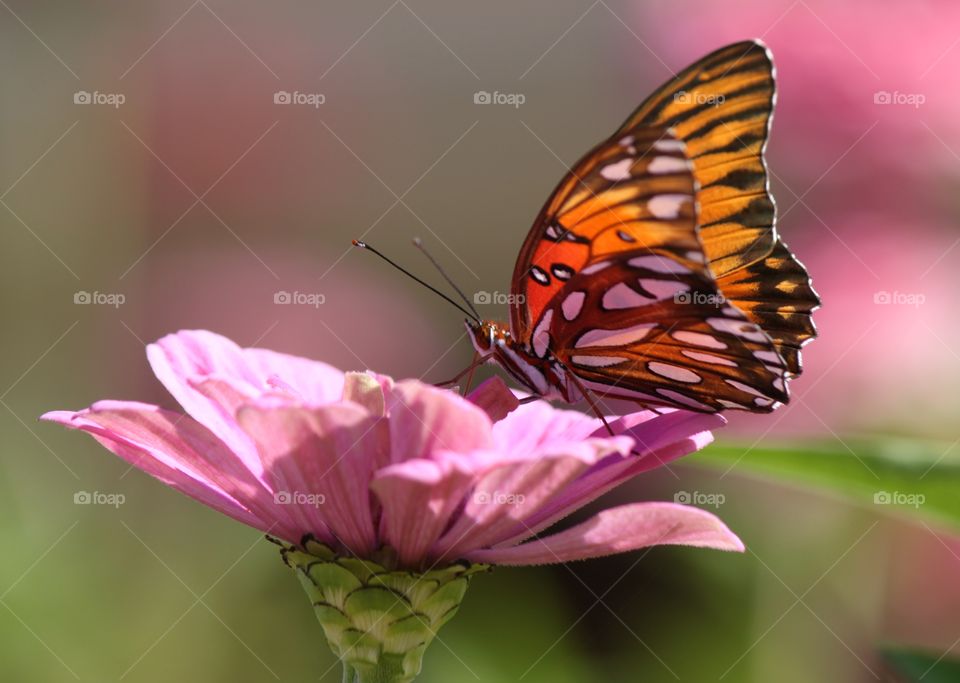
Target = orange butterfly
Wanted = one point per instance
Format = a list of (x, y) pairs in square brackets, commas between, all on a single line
[(654, 273)]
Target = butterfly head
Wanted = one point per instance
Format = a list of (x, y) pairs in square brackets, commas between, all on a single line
[(494, 341), (487, 335)]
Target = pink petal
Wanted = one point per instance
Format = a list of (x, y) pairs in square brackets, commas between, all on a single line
[(312, 381), (182, 361), (495, 398), (533, 426), (665, 438), (418, 498), (425, 419), (618, 530), (516, 488), (182, 454), (322, 459)]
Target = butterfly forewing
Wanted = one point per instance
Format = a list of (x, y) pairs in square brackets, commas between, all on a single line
[(635, 190), (722, 107)]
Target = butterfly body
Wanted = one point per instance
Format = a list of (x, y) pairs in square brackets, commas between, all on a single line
[(654, 272), (542, 376)]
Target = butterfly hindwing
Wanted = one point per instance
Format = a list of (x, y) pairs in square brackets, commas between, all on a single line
[(651, 326), (776, 293)]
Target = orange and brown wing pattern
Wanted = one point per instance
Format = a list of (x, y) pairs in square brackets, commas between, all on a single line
[(721, 107), (776, 293), (632, 191)]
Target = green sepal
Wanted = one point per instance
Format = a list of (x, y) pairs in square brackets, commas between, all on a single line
[(377, 620)]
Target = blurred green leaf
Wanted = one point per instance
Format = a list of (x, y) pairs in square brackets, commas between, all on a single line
[(894, 476), (915, 666)]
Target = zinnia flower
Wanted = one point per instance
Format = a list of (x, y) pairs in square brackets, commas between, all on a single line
[(386, 497)]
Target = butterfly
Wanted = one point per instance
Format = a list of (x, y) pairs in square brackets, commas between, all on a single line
[(654, 273)]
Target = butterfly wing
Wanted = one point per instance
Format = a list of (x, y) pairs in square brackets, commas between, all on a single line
[(629, 191), (721, 107), (652, 328), (616, 288)]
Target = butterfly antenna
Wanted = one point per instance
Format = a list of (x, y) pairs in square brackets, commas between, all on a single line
[(418, 243), (469, 314)]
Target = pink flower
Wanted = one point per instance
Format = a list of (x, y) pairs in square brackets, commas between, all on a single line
[(299, 450)]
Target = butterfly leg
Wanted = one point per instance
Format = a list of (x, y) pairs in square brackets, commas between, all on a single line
[(586, 393), (478, 360)]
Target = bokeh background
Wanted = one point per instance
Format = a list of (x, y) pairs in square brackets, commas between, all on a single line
[(176, 193)]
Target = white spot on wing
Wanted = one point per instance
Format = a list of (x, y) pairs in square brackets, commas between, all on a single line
[(667, 165), (541, 336), (619, 170), (708, 358), (597, 361), (674, 372), (698, 339), (663, 289), (621, 337), (768, 357), (677, 397), (621, 296), (745, 387), (572, 304), (669, 145), (537, 274), (667, 205), (595, 268), (659, 264), (610, 391)]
